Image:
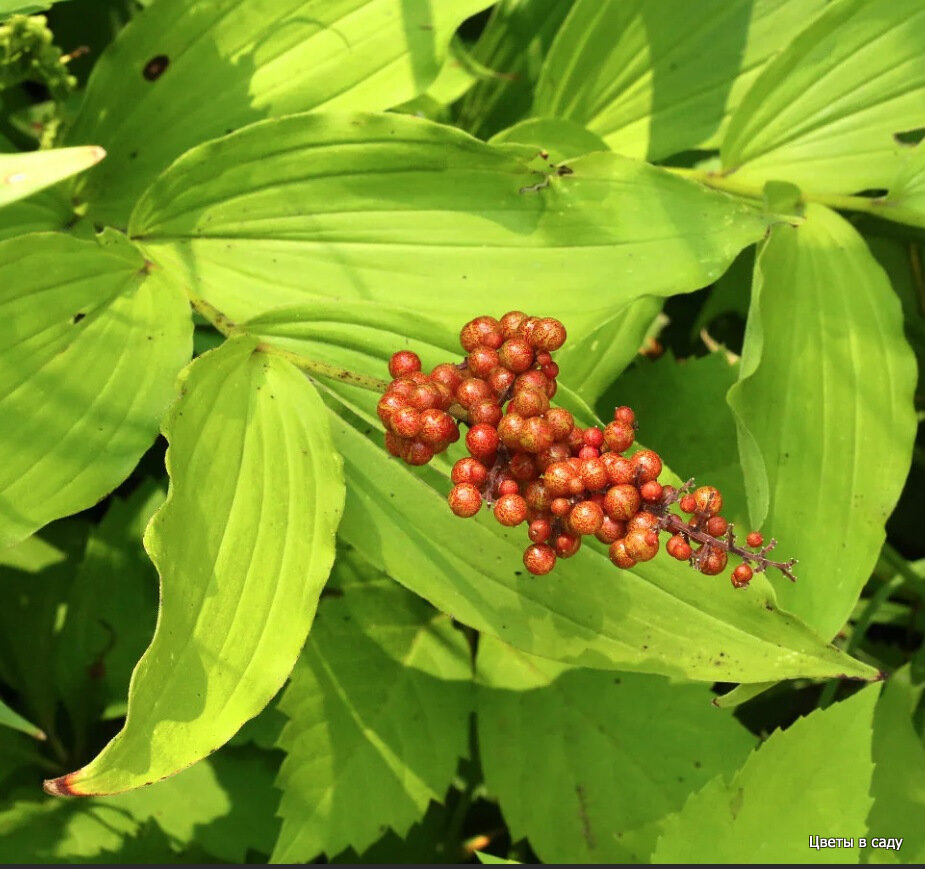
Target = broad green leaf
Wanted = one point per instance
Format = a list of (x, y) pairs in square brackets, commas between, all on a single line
[(27, 172), (899, 768), (111, 612), (809, 780), (907, 192), (655, 77), (824, 396), (91, 341), (617, 752), (45, 211), (693, 431), (194, 71), (378, 712), (513, 44), (243, 546), (393, 208), (660, 618), (823, 114), (11, 718), (560, 138)]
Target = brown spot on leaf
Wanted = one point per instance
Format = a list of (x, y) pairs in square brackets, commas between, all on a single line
[(155, 67)]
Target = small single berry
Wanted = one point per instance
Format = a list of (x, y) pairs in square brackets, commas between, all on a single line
[(648, 465), (537, 496), (510, 429), (687, 503), (509, 487), (510, 510), (586, 517), (619, 555), (622, 502), (548, 334), (678, 547), (641, 545), (406, 422), (522, 467), (594, 437), (536, 435), (708, 500), (625, 415), (610, 530), (618, 436), (488, 412), (619, 469), (530, 402), (482, 442), (464, 500), (560, 422), (539, 559), (501, 380), (426, 395), (388, 404), (742, 576), (594, 474), (481, 330), (394, 444), (566, 545), (516, 355), (482, 360), (404, 362), (472, 390), (714, 562), (469, 470), (418, 453), (539, 530), (754, 539), (551, 370), (643, 521), (511, 323), (438, 428), (560, 507), (447, 374), (716, 526), (651, 491)]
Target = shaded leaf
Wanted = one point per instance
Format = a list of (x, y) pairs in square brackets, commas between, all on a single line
[(616, 752), (26, 172), (393, 208), (243, 545), (193, 72), (811, 779), (825, 410), (655, 77), (907, 192), (11, 718), (379, 715), (90, 345), (823, 113)]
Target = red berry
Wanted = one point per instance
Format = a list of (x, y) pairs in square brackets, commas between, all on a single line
[(754, 539), (464, 500), (394, 444), (560, 506), (716, 526), (406, 422), (714, 562), (620, 470), (547, 334), (469, 470), (576, 439), (516, 355), (447, 374), (539, 530), (482, 441), (687, 504), (481, 330), (511, 323), (426, 395), (558, 478), (618, 436), (472, 390), (708, 500), (510, 429), (539, 559), (488, 412), (510, 510), (482, 360), (594, 474), (742, 576), (501, 380), (619, 555), (625, 415), (678, 547), (551, 370), (543, 358), (560, 422), (622, 502), (642, 521), (522, 467), (647, 464), (530, 402), (641, 545), (533, 379), (610, 530), (566, 545), (509, 487), (588, 453), (586, 517), (438, 427), (388, 404), (404, 362), (651, 491), (537, 496), (418, 453), (594, 437), (536, 435)]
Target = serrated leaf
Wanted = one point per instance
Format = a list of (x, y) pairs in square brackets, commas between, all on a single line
[(91, 341), (617, 752), (243, 546), (811, 779), (513, 44), (824, 113), (27, 172), (660, 618), (397, 209), (825, 394), (379, 715), (655, 77), (899, 768), (198, 71), (111, 611)]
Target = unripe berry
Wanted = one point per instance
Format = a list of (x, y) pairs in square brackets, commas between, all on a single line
[(610, 530), (594, 474), (620, 470), (509, 487), (464, 500), (404, 362), (530, 402), (716, 526), (510, 429), (687, 503), (488, 412), (707, 499), (566, 545), (625, 415), (511, 323), (469, 470), (510, 510), (618, 436), (560, 507), (482, 442), (481, 330), (406, 422), (539, 530), (447, 374), (619, 555), (622, 502), (472, 390), (647, 464), (539, 559), (418, 453), (678, 547), (548, 334), (714, 562), (482, 360), (501, 380), (586, 517), (536, 435), (641, 545), (516, 355), (754, 539), (741, 576), (651, 491)]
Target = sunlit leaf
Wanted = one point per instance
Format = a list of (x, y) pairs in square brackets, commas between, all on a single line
[(26, 172)]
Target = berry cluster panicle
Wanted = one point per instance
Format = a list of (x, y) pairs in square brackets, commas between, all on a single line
[(530, 463)]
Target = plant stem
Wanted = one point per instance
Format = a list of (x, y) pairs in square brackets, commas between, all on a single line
[(224, 324), (910, 578), (865, 204)]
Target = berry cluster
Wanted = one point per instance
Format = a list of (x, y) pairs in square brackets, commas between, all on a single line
[(530, 463)]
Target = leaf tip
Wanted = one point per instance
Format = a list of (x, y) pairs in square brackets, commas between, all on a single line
[(61, 786)]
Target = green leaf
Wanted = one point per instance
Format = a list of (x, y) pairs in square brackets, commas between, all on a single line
[(809, 780), (660, 618), (899, 768), (823, 114), (243, 546), (655, 77), (11, 718), (907, 192), (194, 72), (561, 138), (618, 752), (393, 208), (46, 211), (111, 612), (825, 394), (490, 858), (91, 341), (379, 709), (514, 43), (27, 172)]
